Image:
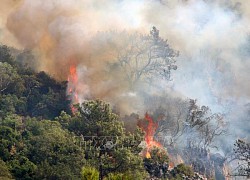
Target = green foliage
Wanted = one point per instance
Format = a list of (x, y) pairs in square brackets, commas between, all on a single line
[(64, 119), (14, 121), (49, 105), (95, 118), (53, 150), (8, 139), (8, 76), (38, 131), (25, 92), (7, 104), (126, 176), (35, 149), (22, 168), (5, 55), (182, 170), (10, 104), (118, 176), (100, 126), (4, 171), (89, 173)]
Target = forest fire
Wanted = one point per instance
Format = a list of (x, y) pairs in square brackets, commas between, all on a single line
[(149, 127), (87, 73), (72, 84)]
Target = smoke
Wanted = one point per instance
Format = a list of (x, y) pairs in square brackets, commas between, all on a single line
[(60, 31), (208, 35), (213, 39), (5, 9), (211, 36)]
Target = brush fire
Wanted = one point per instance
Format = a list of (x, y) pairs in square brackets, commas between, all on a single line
[(72, 87), (149, 127), (126, 53)]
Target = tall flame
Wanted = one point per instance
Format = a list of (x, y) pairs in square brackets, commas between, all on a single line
[(72, 86), (149, 130)]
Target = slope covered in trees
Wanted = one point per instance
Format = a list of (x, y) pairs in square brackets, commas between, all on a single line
[(42, 139)]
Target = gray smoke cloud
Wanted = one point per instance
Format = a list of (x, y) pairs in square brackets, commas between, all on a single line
[(212, 37)]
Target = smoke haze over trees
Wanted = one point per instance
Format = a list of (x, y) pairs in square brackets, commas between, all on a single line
[(185, 62)]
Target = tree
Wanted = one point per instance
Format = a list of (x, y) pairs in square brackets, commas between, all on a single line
[(25, 92), (137, 58), (8, 139), (107, 147), (187, 129), (11, 104), (242, 152), (4, 171), (46, 97), (13, 149), (5, 55), (171, 114), (53, 150), (22, 168), (64, 119), (8, 75), (208, 125), (89, 173), (147, 57), (7, 105), (182, 171)]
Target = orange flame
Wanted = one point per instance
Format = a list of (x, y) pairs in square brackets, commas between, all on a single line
[(72, 86), (149, 130), (171, 165), (148, 155)]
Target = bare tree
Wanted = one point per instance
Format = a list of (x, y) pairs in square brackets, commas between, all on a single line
[(202, 122), (147, 57), (172, 123)]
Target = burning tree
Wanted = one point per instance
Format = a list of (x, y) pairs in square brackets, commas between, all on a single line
[(149, 127), (194, 128), (185, 120), (172, 116)]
